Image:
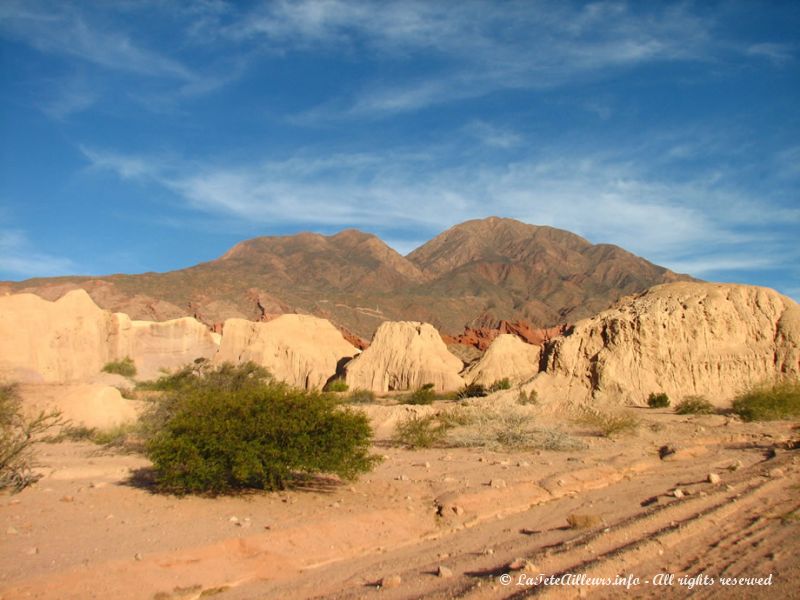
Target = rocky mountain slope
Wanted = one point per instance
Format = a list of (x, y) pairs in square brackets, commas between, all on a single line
[(475, 274)]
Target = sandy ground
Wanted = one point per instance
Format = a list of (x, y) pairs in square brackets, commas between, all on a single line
[(86, 530)]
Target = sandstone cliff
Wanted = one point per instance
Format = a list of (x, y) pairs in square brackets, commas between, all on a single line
[(65, 340), (507, 357), (71, 339), (301, 350), (405, 355), (154, 346), (680, 338)]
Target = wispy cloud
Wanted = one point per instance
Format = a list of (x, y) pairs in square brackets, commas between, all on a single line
[(19, 258), (62, 29), (777, 53), (698, 223)]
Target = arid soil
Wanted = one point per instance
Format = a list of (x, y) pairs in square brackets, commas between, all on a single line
[(438, 523)]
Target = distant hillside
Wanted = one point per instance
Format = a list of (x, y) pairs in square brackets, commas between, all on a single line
[(476, 273)]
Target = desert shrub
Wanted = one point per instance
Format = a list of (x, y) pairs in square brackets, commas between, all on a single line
[(361, 397), (531, 397), (609, 424), (583, 521), (472, 390), (18, 435), (336, 385), (658, 400), (500, 384), (503, 428), (422, 395), (232, 428), (420, 432), (769, 402), (201, 374), (694, 405), (124, 367)]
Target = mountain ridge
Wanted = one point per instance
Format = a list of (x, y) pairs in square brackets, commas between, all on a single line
[(480, 271)]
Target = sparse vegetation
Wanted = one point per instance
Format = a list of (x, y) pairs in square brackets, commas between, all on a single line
[(125, 436), (361, 397), (422, 395), (124, 367), (420, 432), (583, 521), (694, 405), (769, 402), (336, 385), (503, 428), (609, 424), (18, 435), (531, 397), (660, 400), (472, 390), (478, 427), (231, 428), (500, 384)]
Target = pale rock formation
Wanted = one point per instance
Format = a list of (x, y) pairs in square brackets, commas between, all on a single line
[(167, 345), (87, 404), (65, 340), (302, 350), (506, 357), (680, 338), (71, 339), (405, 355)]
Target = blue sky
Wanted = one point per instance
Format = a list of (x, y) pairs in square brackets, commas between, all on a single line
[(153, 135)]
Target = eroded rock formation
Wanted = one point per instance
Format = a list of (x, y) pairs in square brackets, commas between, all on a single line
[(301, 350), (507, 357), (681, 338), (404, 355)]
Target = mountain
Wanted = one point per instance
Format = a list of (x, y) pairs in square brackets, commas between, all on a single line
[(474, 274)]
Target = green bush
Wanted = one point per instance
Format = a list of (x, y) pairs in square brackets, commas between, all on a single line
[(530, 398), (472, 390), (336, 385), (769, 402), (500, 384), (123, 367), (423, 395), (361, 397), (420, 432), (694, 405), (658, 400), (231, 428), (18, 435)]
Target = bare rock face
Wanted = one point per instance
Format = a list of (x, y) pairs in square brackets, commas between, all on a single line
[(71, 339), (59, 341), (169, 345), (405, 355), (302, 350), (88, 404), (680, 338), (507, 357)]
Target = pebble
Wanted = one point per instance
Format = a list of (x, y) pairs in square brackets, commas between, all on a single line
[(523, 463), (137, 556), (458, 509), (677, 492), (522, 564), (776, 473), (427, 465), (67, 498), (497, 483), (234, 520), (713, 478), (32, 551), (444, 572), (11, 531), (391, 581)]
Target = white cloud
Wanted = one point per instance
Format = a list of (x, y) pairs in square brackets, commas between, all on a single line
[(697, 224), (60, 29), (18, 258)]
